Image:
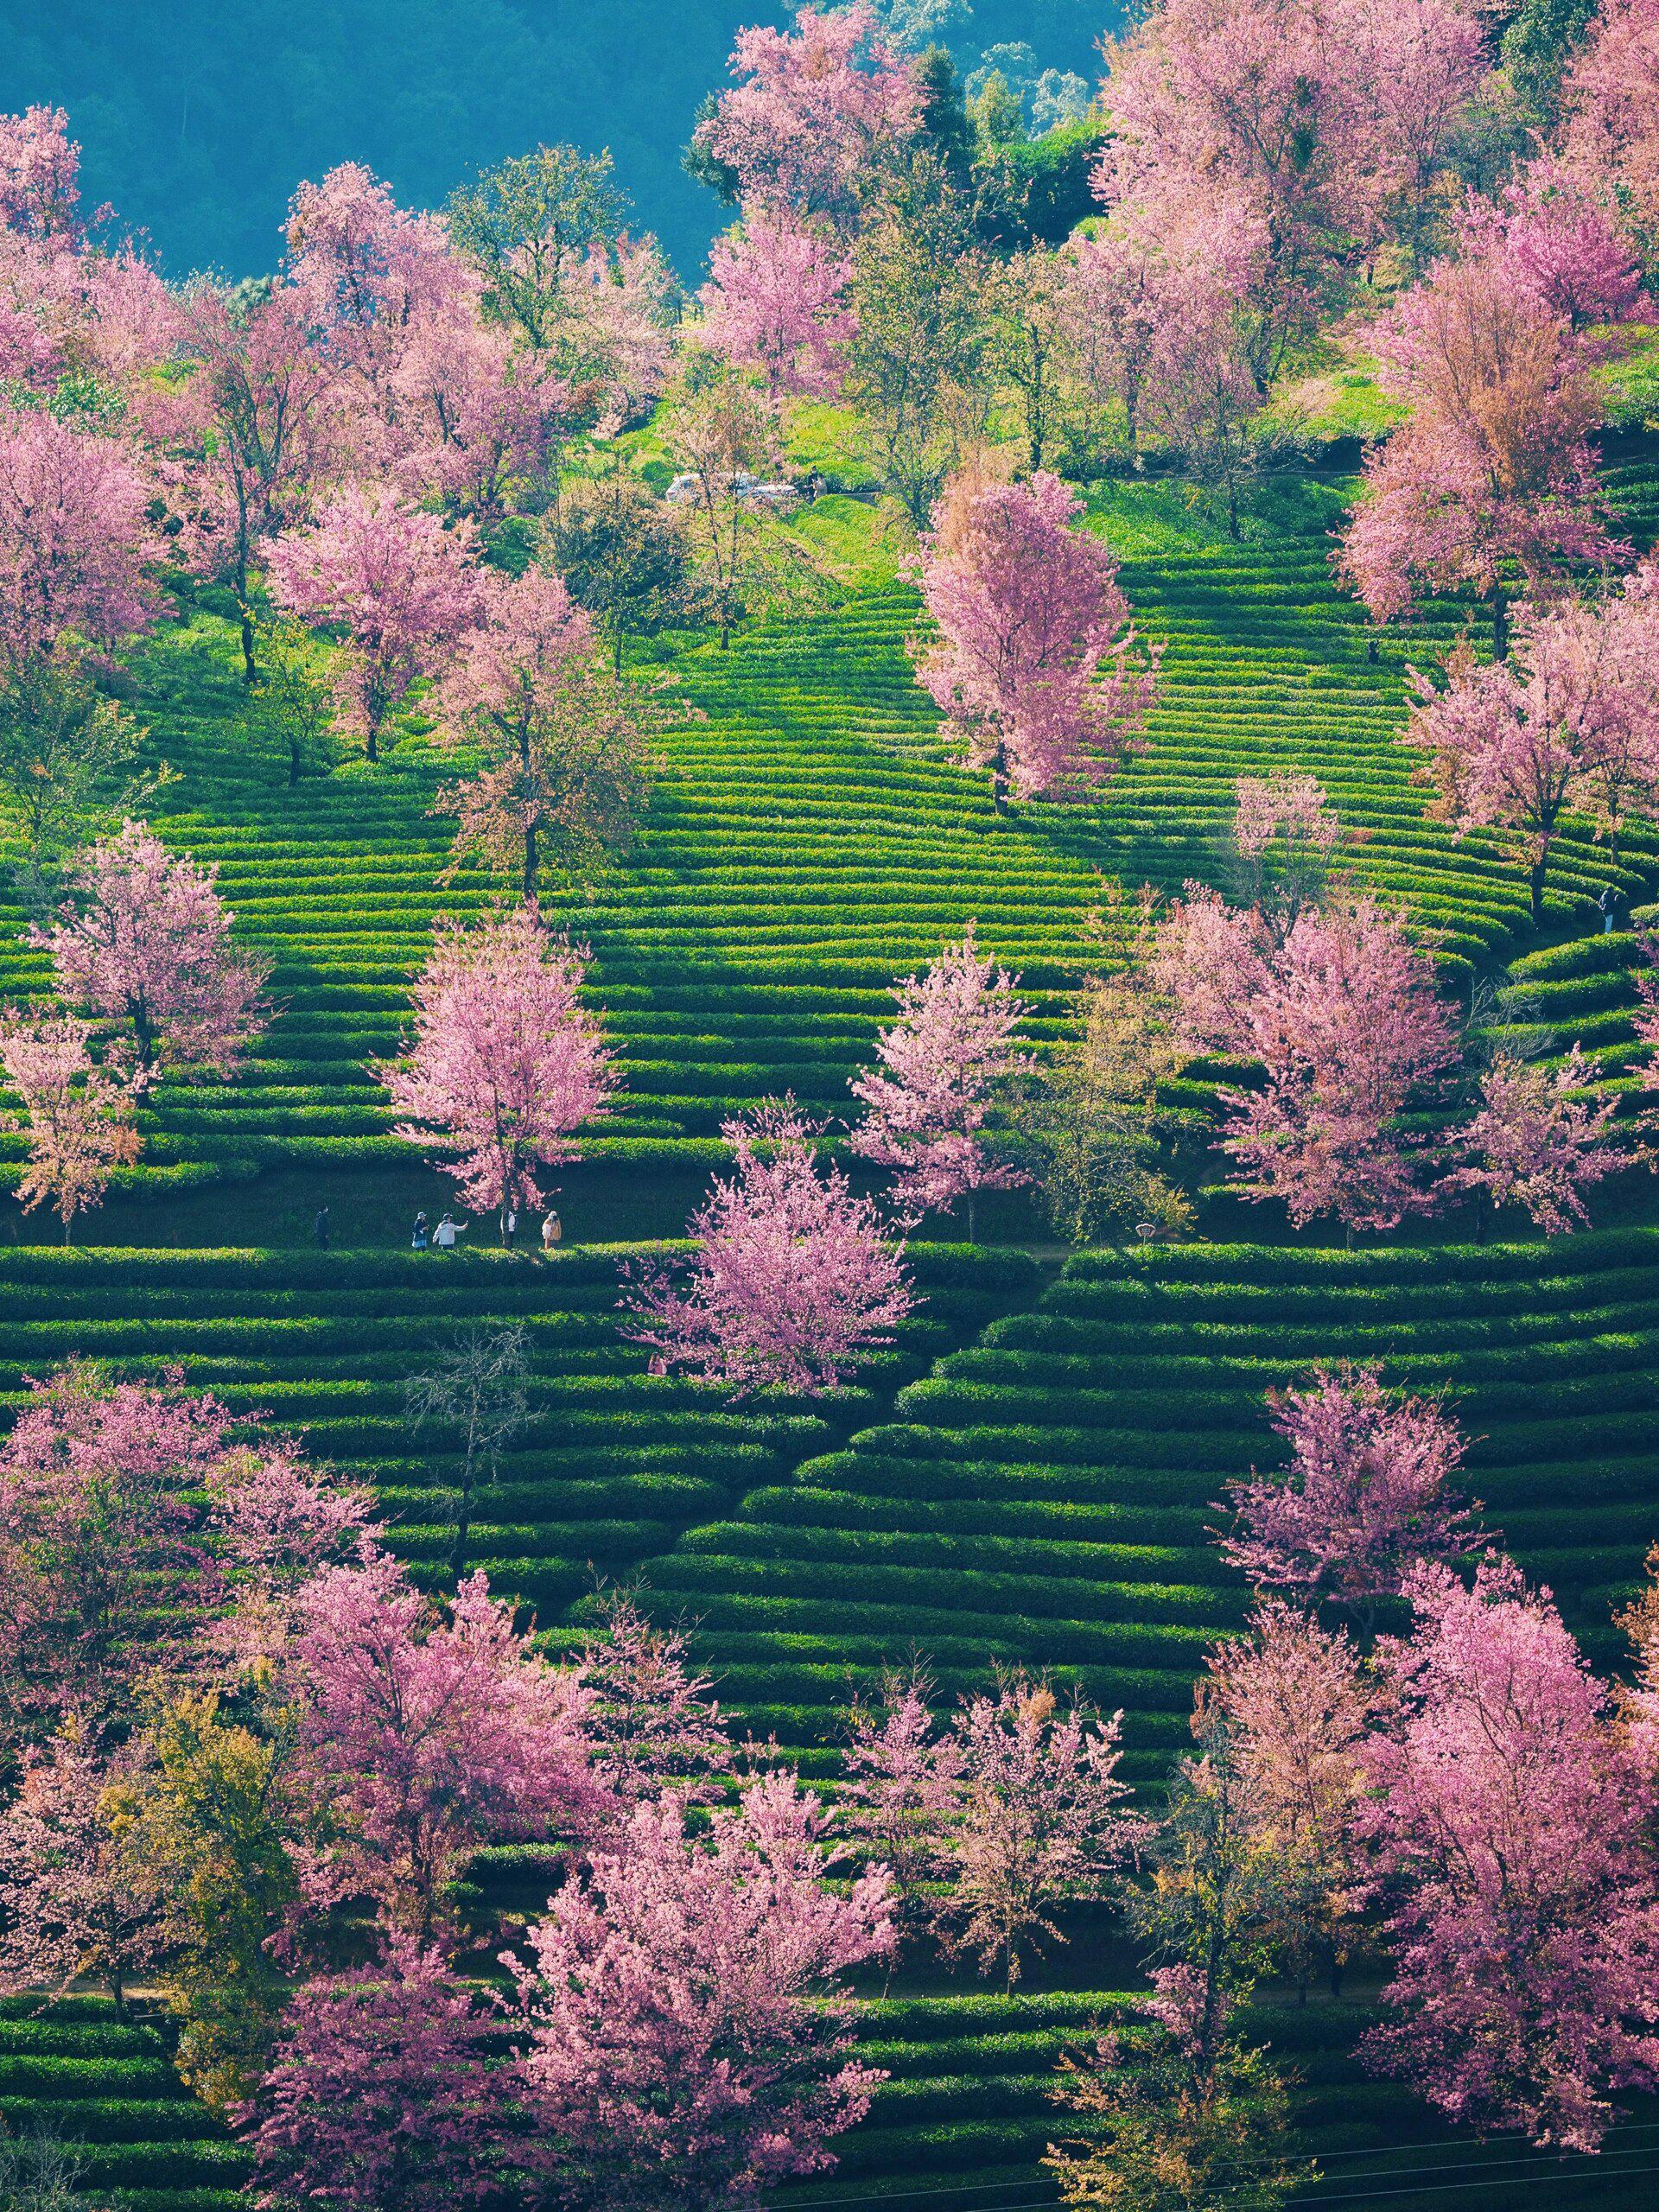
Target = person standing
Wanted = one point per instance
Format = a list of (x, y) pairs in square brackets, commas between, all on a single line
[(320, 1228), (445, 1234), (418, 1238), (1610, 902), (552, 1230), (510, 1227)]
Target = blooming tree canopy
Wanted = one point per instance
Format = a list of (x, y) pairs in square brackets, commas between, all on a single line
[(1610, 99), (776, 300), (427, 1736), (400, 585), (1565, 722), (75, 538), (379, 2098), (1368, 1493), (504, 1063), (565, 742), (1510, 1830), (147, 946), (1039, 1820), (795, 1278), (686, 2044), (1538, 1142), (1493, 467), (1343, 1020), (814, 110), (75, 1117), (1034, 667), (942, 1063)]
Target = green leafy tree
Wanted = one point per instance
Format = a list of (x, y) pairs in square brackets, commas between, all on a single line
[(67, 754), (1538, 45), (293, 699), (917, 363), (527, 223), (1089, 1128), (210, 1820), (624, 556)]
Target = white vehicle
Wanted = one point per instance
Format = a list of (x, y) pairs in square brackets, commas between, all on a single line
[(782, 499)]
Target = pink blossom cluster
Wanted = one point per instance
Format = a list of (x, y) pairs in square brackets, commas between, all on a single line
[(794, 1279), (1033, 665), (942, 1065)]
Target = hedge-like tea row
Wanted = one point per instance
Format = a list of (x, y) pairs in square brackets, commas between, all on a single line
[(1045, 1496), (614, 1463), (808, 840)]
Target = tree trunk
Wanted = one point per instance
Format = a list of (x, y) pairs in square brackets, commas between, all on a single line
[(999, 780), (250, 665), (972, 1238), (372, 747), (463, 1518), (293, 761), (1500, 623), (1535, 887)]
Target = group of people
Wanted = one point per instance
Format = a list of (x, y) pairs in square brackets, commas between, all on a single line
[(449, 1229)]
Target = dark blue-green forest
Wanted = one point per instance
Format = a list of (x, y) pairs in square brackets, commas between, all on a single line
[(196, 118)]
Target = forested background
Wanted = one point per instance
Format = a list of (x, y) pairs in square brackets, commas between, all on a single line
[(196, 116)]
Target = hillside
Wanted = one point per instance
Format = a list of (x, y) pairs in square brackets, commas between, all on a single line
[(1028, 1475)]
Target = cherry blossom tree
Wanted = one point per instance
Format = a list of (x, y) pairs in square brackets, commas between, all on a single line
[(901, 1795), (1567, 721), (1342, 1019), (795, 1278), (1640, 1703), (565, 742), (1538, 1142), (1510, 1830), (649, 1723), (776, 300), (75, 1117), (1368, 1493), (476, 421), (39, 177), (504, 1065), (815, 108), (148, 945), (1039, 1819), (1610, 101), (687, 2043), (1200, 388), (75, 537), (1034, 667), (401, 586), (424, 1737), (1561, 244), (1284, 835), (73, 1909), (370, 272), (617, 350), (1492, 470), (104, 1550), (1298, 1708), (943, 1064), (1311, 122), (273, 416), (380, 2097)]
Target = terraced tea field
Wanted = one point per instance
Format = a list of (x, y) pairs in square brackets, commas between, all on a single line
[(1028, 1474), (810, 839)]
